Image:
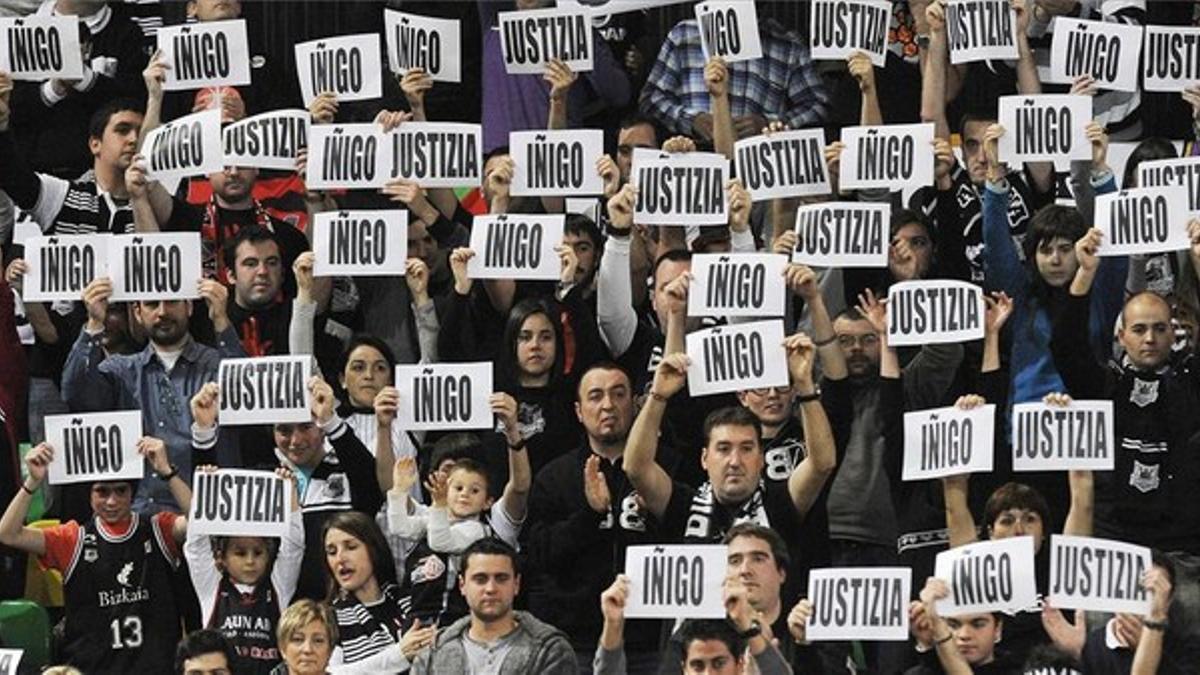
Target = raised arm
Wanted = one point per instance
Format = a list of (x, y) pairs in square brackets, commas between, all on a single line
[(809, 476), (948, 655), (648, 478), (520, 475), (802, 280), (863, 72), (716, 78), (1154, 628), (155, 452), (933, 79), (959, 521), (610, 651), (1028, 83), (615, 315), (1001, 259), (13, 531)]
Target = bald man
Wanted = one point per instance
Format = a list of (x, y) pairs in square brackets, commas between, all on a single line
[(1146, 498)]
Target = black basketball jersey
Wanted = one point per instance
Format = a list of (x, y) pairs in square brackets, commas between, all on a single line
[(121, 612), (249, 621), (431, 583)]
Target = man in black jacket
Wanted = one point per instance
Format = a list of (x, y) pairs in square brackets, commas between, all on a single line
[(583, 513)]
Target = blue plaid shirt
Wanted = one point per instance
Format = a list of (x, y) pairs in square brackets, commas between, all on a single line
[(782, 85)]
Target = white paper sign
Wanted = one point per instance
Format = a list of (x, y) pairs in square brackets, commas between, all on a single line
[(842, 234), (271, 140), (154, 266), (10, 661), (347, 156), (205, 54), (360, 243), (349, 65), (185, 147), (737, 284), (1098, 575), (530, 39), (40, 48), (95, 446), (841, 27), (1171, 58), (560, 162), (239, 502), (736, 357), (265, 390), (1107, 51), (784, 164), (676, 582), (1046, 127), (988, 576), (894, 156), (859, 603), (430, 44), (729, 29), (681, 188), (934, 312), (1143, 220), (1167, 172), (948, 442), (436, 154), (444, 396), (978, 30), (60, 267), (25, 227), (516, 246), (1057, 438)]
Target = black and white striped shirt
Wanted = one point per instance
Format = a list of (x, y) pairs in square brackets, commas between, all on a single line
[(364, 630), (80, 207)]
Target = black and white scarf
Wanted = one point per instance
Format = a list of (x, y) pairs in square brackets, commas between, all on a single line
[(701, 525)]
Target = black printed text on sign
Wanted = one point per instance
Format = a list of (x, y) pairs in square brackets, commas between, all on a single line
[(842, 234), (360, 243), (59, 268), (1171, 58), (948, 441), (1057, 438), (271, 140), (675, 581), (785, 164), (1167, 172), (892, 156), (436, 154), (347, 156), (209, 54), (185, 147), (530, 39), (237, 502), (1107, 51), (348, 65), (95, 446), (1098, 575), (859, 603), (979, 30), (841, 27), (40, 48), (556, 163), (1046, 127), (1143, 220), (515, 246), (988, 576), (265, 390), (737, 284), (729, 29), (680, 189), (433, 45), (442, 396), (10, 661), (154, 266), (929, 312), (737, 356)]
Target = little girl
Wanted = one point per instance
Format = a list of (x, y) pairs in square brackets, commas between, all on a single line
[(237, 597)]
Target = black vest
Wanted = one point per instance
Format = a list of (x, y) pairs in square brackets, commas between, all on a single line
[(121, 613)]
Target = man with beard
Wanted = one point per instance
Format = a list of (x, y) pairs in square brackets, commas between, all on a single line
[(260, 312), (583, 513), (158, 380)]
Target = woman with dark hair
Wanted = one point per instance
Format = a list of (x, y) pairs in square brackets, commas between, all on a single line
[(367, 371), (529, 367), (364, 594), (1039, 286)]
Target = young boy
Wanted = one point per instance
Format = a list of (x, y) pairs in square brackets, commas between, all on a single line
[(237, 595)]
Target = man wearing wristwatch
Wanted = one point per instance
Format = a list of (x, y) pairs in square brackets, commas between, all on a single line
[(121, 611)]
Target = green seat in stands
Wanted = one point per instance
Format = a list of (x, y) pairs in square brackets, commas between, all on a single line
[(25, 625)]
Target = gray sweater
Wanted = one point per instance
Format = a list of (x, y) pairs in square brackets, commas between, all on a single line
[(537, 647)]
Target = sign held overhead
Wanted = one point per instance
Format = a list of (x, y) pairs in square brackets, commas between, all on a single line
[(95, 447)]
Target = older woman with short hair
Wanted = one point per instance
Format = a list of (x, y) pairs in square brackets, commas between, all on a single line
[(307, 634)]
